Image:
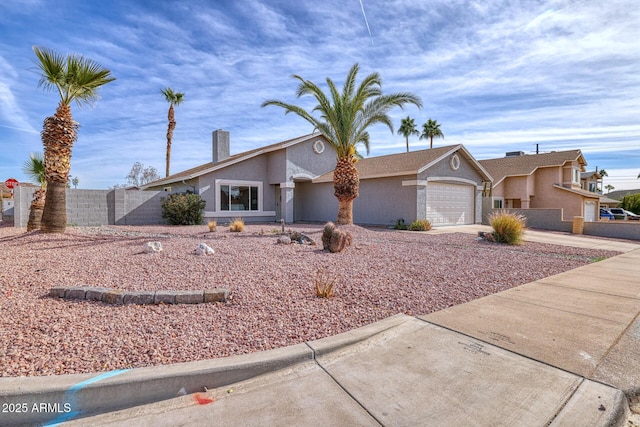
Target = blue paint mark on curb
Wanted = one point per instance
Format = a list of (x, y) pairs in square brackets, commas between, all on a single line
[(71, 396)]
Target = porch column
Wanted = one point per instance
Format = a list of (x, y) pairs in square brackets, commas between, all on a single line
[(524, 203), (286, 206)]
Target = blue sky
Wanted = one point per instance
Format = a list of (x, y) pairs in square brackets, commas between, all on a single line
[(497, 75)]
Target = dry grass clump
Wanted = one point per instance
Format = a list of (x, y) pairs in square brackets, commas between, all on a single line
[(212, 225), (324, 286), (237, 225), (420, 225), (507, 227)]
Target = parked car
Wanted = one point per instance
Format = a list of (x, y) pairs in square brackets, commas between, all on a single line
[(619, 213), (606, 214), (631, 215)]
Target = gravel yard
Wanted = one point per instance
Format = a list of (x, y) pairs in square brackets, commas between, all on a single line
[(272, 301)]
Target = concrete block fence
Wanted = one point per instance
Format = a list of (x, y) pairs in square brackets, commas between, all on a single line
[(99, 207)]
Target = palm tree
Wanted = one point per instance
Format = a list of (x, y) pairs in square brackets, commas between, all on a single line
[(430, 130), (34, 168), (173, 98), (343, 120), (609, 187), (75, 78), (408, 128), (602, 173)]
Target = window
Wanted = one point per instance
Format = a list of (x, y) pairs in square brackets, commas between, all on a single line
[(497, 203), (239, 197), (576, 175)]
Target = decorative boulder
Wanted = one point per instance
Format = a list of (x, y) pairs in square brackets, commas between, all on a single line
[(302, 238), (335, 240), (204, 249), (151, 247), (284, 240)]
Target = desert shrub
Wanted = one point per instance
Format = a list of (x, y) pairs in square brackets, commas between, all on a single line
[(237, 225), (183, 209), (400, 224), (507, 227), (324, 285), (420, 225), (631, 203), (213, 225)]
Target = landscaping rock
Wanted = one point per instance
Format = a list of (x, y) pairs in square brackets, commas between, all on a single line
[(112, 297), (216, 295), (140, 297), (204, 249), (189, 297), (165, 297), (76, 292), (488, 236), (284, 240), (302, 238), (57, 292), (95, 294), (151, 247)]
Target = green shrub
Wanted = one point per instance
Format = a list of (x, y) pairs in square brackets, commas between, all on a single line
[(507, 227), (183, 209), (420, 225), (400, 224), (631, 203)]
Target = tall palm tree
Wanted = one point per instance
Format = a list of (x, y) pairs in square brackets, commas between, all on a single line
[(75, 78), (173, 98), (34, 169), (408, 128), (430, 130), (343, 120), (602, 173)]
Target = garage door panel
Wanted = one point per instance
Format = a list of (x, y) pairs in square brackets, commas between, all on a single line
[(450, 204)]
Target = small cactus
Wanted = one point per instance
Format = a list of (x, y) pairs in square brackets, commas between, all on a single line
[(335, 240)]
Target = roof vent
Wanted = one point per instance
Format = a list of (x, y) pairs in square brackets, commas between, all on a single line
[(514, 154)]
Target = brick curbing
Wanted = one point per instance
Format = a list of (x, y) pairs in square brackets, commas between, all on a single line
[(116, 296)]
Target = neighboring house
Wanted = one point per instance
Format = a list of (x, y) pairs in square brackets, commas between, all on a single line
[(538, 181), (292, 180), (591, 181)]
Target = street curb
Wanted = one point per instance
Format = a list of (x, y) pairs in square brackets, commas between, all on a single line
[(55, 399)]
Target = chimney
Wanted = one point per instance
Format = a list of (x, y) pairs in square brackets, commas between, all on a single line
[(220, 145)]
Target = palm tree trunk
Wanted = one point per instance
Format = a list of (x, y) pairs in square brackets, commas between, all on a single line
[(58, 135), (54, 216), (345, 212), (407, 144), (170, 128), (35, 211), (346, 186), (431, 142)]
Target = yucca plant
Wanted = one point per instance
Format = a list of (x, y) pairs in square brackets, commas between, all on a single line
[(508, 227), (324, 286)]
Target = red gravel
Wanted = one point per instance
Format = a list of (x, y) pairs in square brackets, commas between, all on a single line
[(272, 304)]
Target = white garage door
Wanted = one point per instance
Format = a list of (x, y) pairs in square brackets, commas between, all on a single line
[(589, 211), (450, 204)]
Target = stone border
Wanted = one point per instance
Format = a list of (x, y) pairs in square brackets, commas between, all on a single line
[(117, 296)]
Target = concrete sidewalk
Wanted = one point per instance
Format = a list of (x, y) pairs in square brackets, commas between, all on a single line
[(561, 351)]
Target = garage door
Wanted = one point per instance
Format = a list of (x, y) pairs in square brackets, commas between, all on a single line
[(450, 204)]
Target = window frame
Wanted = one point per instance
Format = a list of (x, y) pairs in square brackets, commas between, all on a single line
[(498, 199), (239, 183)]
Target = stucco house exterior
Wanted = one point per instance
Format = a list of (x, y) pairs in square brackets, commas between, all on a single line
[(539, 181), (292, 180)]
